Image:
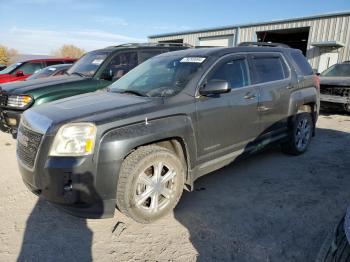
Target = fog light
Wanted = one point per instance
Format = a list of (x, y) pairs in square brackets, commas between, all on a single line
[(12, 121)]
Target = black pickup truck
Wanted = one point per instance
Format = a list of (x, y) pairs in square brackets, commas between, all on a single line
[(172, 119)]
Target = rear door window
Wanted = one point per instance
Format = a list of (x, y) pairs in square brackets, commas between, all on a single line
[(301, 64), (269, 68)]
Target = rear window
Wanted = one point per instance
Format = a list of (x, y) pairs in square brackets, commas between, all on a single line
[(301, 63), (269, 68)]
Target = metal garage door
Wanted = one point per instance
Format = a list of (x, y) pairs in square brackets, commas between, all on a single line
[(216, 41)]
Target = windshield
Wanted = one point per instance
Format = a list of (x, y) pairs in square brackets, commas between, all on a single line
[(159, 76), (46, 72), (88, 64), (338, 70), (10, 68)]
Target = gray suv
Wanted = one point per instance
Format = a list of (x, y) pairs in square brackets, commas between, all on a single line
[(169, 121)]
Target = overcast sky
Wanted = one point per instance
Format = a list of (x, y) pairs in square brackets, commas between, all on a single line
[(42, 26)]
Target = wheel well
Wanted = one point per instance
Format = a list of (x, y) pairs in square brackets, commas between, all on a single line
[(176, 145), (309, 108)]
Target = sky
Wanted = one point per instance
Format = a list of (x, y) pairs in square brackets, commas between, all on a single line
[(43, 26)]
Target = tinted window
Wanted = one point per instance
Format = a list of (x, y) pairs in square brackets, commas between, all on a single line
[(121, 64), (301, 63), (30, 68), (269, 68), (337, 70), (233, 71), (145, 55)]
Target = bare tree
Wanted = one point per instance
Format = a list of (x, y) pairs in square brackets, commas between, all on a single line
[(7, 55), (71, 51)]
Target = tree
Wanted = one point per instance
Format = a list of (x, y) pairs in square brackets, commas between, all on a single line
[(7, 55), (69, 51)]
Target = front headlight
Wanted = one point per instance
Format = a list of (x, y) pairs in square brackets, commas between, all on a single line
[(19, 101), (76, 139)]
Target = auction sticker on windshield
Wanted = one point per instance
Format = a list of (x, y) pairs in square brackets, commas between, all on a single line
[(192, 60), (97, 61)]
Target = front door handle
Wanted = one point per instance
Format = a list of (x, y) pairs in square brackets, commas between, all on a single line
[(249, 96)]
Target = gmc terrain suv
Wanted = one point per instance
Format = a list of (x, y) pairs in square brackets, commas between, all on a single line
[(94, 71), (172, 119)]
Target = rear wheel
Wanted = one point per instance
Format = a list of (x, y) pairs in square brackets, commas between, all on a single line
[(150, 183), (300, 137)]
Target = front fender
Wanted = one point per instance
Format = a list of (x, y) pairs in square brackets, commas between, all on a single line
[(117, 143)]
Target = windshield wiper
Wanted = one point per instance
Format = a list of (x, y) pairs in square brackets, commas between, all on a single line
[(79, 74), (133, 92)]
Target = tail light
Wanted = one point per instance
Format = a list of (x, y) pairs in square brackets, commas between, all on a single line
[(316, 79)]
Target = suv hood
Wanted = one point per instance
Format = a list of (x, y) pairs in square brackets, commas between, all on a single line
[(93, 107), (335, 81), (26, 86)]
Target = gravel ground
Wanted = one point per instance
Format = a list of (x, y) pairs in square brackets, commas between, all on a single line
[(270, 207)]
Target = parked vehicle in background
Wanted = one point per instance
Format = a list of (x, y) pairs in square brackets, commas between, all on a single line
[(172, 119), (95, 70), (22, 70), (55, 70), (335, 87), (336, 246), (2, 67)]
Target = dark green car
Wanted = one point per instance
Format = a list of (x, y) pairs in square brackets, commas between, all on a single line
[(94, 71)]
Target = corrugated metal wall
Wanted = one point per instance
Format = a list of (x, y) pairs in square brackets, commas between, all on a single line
[(331, 28), (322, 29), (193, 39)]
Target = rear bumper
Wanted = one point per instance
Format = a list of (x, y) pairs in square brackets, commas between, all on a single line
[(68, 185), (334, 99), (9, 120)]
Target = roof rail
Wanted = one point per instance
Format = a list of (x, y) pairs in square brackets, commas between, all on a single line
[(151, 44), (263, 44)]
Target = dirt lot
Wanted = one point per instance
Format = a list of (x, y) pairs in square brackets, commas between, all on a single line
[(270, 207)]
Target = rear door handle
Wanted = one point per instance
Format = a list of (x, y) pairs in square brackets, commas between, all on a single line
[(249, 96)]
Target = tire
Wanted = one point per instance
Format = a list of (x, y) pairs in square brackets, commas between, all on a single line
[(145, 194), (336, 247), (300, 136)]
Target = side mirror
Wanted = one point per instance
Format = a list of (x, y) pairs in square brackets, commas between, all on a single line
[(107, 75), (19, 73), (215, 86)]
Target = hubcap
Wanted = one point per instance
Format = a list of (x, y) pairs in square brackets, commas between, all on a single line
[(303, 134), (155, 187)]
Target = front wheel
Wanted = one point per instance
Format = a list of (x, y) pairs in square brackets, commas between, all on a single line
[(150, 183), (300, 137)]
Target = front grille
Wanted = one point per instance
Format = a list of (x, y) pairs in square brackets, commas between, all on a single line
[(28, 143), (3, 99), (334, 90)]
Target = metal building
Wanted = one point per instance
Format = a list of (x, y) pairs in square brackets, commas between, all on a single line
[(324, 39)]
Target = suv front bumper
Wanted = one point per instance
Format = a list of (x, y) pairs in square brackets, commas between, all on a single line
[(67, 184)]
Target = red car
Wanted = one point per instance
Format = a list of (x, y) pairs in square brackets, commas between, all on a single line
[(21, 70)]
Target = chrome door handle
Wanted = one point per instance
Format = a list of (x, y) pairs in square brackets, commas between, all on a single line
[(249, 96)]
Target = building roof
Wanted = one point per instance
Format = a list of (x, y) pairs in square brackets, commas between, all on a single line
[(328, 44), (333, 14)]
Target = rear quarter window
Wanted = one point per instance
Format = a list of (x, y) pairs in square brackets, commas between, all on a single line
[(269, 68), (302, 65)]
